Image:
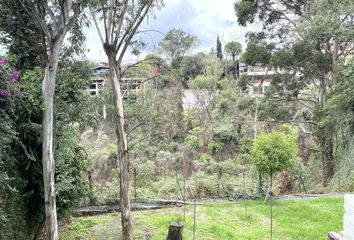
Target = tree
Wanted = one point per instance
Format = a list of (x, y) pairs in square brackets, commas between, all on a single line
[(175, 45), (54, 20), (205, 87), (17, 25), (21, 210), (233, 49), (121, 20), (192, 66), (219, 54), (310, 42), (274, 152)]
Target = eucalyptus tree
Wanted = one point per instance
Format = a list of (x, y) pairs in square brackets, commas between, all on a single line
[(310, 39), (121, 20), (44, 25), (175, 45)]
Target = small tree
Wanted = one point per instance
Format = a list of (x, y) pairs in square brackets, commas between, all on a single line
[(233, 49), (274, 152)]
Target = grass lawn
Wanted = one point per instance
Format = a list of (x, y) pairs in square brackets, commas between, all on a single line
[(292, 219)]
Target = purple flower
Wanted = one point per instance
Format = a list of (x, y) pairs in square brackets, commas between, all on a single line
[(4, 93), (15, 76), (3, 62)]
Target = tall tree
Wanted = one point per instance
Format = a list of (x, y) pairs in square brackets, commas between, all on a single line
[(175, 45), (310, 39), (51, 22), (219, 54), (121, 21)]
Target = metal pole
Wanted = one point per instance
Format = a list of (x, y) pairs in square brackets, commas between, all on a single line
[(184, 198), (194, 219), (271, 206), (176, 186), (244, 192)]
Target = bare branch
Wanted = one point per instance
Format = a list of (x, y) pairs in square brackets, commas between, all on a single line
[(133, 31), (137, 63), (121, 15), (96, 24)]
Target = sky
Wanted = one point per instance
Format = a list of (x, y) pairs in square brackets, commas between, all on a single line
[(203, 18)]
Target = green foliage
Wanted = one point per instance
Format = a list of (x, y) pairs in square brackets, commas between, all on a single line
[(219, 54), (15, 26), (224, 130), (233, 49), (245, 11), (247, 146), (206, 159), (12, 184), (214, 147), (267, 11), (192, 140), (175, 44), (210, 79), (336, 121), (21, 197), (192, 66), (79, 228), (71, 163), (202, 186), (257, 54), (244, 82), (273, 152)]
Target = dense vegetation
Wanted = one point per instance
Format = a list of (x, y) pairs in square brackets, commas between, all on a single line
[(190, 128)]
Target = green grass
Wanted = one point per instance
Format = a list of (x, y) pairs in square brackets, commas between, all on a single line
[(307, 219)]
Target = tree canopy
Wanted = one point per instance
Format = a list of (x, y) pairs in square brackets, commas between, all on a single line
[(274, 152)]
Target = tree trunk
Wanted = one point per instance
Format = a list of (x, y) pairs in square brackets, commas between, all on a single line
[(260, 184), (322, 91), (328, 160), (335, 61), (175, 231), (48, 151), (123, 156), (135, 192)]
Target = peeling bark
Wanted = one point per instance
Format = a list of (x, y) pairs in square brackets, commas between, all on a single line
[(123, 155), (48, 151)]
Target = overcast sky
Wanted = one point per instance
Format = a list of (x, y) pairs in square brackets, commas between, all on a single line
[(203, 18)]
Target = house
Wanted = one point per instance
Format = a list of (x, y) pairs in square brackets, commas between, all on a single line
[(260, 78), (132, 82)]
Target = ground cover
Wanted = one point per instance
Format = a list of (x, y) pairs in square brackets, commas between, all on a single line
[(292, 219)]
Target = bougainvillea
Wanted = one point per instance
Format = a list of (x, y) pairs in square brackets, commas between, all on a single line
[(4, 93), (8, 79)]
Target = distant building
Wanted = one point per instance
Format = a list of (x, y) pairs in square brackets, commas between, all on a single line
[(260, 78), (130, 85), (99, 78)]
